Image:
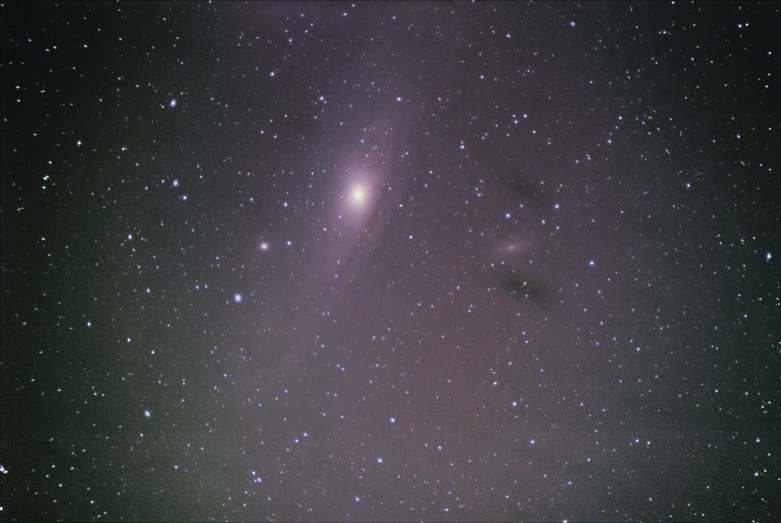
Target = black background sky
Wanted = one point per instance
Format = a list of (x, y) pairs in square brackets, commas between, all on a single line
[(390, 261)]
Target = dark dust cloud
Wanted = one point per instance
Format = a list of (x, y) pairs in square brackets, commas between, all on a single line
[(390, 261)]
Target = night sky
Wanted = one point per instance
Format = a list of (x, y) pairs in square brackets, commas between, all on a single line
[(390, 261)]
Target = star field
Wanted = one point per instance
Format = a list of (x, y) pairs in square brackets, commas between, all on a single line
[(393, 261)]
